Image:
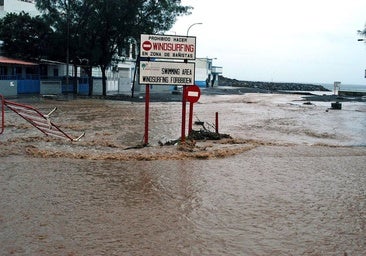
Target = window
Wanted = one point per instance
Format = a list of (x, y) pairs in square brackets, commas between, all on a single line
[(3, 71), (18, 70), (43, 70)]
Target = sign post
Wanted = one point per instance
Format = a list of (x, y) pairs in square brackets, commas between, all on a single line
[(161, 48), (192, 95), (184, 103), (147, 107)]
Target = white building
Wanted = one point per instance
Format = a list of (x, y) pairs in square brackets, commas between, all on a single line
[(206, 75), (17, 6)]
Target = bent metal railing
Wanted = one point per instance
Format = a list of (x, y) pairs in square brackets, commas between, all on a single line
[(2, 114), (36, 118)]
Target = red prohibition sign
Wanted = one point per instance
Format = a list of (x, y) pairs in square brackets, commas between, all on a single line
[(146, 46), (193, 93)]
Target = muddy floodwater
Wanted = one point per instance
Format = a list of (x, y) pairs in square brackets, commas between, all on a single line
[(290, 181)]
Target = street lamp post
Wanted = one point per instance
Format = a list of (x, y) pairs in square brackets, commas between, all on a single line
[(198, 23)]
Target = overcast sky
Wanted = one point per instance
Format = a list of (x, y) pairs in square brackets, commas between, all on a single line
[(312, 41)]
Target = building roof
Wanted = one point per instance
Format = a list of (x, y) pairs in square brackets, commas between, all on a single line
[(51, 62), (5, 60)]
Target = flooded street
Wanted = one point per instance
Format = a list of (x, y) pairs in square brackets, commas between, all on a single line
[(292, 181)]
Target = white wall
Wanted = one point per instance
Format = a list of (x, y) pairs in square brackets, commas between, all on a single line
[(18, 6), (202, 69)]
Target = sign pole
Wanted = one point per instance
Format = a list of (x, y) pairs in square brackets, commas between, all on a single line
[(147, 104), (190, 118), (184, 100), (192, 94), (217, 122)]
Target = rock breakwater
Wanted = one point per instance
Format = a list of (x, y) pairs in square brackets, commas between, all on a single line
[(270, 86)]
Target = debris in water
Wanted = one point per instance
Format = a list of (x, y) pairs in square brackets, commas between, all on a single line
[(207, 135), (197, 135)]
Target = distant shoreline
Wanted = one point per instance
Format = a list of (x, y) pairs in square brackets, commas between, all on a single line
[(271, 86), (228, 86)]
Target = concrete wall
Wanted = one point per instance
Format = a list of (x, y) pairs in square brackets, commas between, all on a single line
[(124, 85), (112, 86), (97, 87), (9, 88), (50, 87)]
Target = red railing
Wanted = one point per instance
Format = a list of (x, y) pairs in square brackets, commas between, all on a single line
[(2, 113), (36, 118)]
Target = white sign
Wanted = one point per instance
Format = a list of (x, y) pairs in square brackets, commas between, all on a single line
[(166, 73), (168, 47), (192, 94)]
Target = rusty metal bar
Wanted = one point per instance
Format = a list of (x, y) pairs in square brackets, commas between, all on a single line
[(36, 118), (217, 122), (2, 114)]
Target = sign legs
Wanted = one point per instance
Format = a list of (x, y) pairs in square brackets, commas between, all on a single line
[(190, 118), (217, 122), (184, 100), (147, 105)]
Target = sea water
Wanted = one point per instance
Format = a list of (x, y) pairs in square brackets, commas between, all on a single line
[(347, 87)]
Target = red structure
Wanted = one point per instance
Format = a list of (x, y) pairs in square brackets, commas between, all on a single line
[(192, 94), (41, 121)]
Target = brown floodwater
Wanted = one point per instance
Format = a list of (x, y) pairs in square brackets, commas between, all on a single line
[(282, 186)]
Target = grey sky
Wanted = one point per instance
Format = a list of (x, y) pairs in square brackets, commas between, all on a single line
[(282, 40)]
